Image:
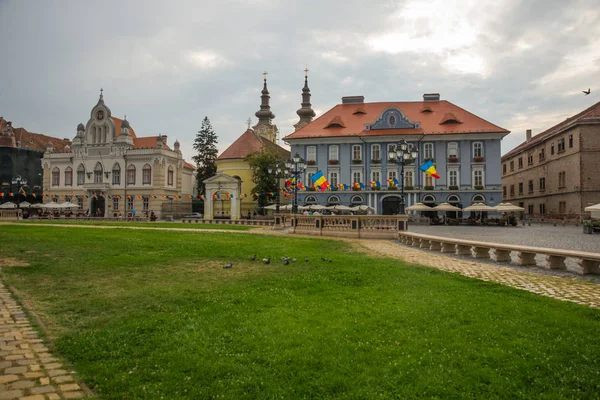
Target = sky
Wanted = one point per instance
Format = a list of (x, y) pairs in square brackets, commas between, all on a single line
[(168, 64)]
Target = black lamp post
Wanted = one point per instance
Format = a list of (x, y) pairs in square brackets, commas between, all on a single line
[(404, 154), (278, 172), (296, 166), (19, 182)]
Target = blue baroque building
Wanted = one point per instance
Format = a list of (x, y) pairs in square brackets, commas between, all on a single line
[(351, 141)]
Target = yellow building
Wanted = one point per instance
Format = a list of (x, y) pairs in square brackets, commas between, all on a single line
[(225, 190)]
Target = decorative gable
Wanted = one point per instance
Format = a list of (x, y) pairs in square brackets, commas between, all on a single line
[(392, 118)]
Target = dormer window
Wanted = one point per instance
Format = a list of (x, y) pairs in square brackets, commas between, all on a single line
[(450, 118), (392, 120), (336, 122), (426, 110), (359, 111)]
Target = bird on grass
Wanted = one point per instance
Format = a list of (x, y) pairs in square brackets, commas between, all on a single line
[(253, 258), (267, 260), (293, 260), (227, 266), (588, 91), (286, 262), (306, 259), (323, 259)]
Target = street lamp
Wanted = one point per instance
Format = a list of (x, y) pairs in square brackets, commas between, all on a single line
[(404, 154), (278, 172), (19, 182), (296, 166)]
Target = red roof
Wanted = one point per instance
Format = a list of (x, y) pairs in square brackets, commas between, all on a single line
[(188, 165), (250, 143), (30, 140), (592, 112), (118, 123), (430, 114)]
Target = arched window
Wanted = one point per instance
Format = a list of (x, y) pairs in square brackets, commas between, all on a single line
[(55, 176), (98, 173), (131, 174), (453, 199), (80, 175), (170, 176), (68, 176), (428, 199), (310, 200), (478, 198), (356, 200), (146, 174), (116, 174), (333, 200)]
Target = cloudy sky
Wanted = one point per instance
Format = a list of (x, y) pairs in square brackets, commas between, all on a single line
[(167, 64)]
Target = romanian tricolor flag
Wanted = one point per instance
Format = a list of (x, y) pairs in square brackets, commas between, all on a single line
[(201, 197), (320, 181), (301, 186), (429, 169)]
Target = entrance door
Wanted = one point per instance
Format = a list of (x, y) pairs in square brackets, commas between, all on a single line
[(390, 205), (98, 205)]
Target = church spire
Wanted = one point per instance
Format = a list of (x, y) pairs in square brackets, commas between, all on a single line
[(306, 113), (265, 115)]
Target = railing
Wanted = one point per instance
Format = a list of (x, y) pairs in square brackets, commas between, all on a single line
[(589, 263), (359, 226), (249, 222)]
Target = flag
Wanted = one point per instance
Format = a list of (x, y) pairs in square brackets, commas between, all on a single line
[(395, 182), (378, 183), (355, 185), (319, 180), (301, 186), (429, 169), (290, 181)]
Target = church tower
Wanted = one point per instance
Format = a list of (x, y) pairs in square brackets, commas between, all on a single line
[(265, 127), (306, 113)]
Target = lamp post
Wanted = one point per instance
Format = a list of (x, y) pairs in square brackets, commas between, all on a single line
[(404, 154), (19, 182), (296, 166), (278, 172)]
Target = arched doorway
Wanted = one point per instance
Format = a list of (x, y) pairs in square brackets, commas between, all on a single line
[(390, 205), (333, 201), (429, 200), (98, 205), (481, 215), (221, 205), (454, 200)]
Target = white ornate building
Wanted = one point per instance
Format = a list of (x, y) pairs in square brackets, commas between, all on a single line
[(111, 171)]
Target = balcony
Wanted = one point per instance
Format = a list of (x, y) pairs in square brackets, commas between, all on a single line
[(452, 159), (478, 159)]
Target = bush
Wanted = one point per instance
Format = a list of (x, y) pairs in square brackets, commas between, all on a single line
[(452, 187), (428, 188)]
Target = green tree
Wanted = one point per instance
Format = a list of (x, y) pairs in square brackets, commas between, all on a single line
[(259, 163), (206, 146)]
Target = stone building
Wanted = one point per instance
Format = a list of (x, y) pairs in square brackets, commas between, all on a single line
[(21, 152), (351, 141), (555, 173), (110, 170)]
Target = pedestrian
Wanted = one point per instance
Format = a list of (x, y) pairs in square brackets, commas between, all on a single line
[(249, 215)]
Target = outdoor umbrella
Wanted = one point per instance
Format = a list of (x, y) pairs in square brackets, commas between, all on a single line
[(508, 207), (479, 207), (595, 207), (271, 207), (24, 204), (339, 207), (68, 204), (362, 207), (446, 207), (317, 207), (419, 207), (8, 205), (51, 205), (37, 205)]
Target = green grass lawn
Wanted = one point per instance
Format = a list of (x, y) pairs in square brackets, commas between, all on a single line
[(139, 224), (152, 314)]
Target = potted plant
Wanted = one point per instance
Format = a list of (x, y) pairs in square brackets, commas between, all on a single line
[(375, 161), (588, 227), (356, 189), (452, 159), (311, 162), (451, 187), (428, 188), (478, 187), (478, 159), (334, 162), (356, 161), (409, 187), (392, 187)]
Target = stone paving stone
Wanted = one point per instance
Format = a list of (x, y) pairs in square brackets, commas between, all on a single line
[(73, 395), (8, 378), (43, 389), (62, 379), (22, 384), (35, 397), (53, 396), (44, 381), (11, 394), (69, 387)]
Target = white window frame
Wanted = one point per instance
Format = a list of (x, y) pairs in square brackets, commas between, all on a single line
[(425, 178), (55, 176), (478, 147), (98, 172), (428, 151), (333, 178), (80, 175), (390, 146), (450, 172), (373, 177), (376, 152), (409, 173), (391, 174), (334, 152), (357, 176), (353, 200), (116, 174), (115, 203), (311, 153), (356, 151), (473, 177), (453, 145)]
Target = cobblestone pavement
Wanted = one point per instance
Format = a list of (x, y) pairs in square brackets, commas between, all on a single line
[(538, 235), (28, 371)]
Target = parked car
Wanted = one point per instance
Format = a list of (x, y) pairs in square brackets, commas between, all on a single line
[(194, 215)]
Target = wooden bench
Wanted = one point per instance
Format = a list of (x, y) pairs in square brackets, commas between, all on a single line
[(589, 263)]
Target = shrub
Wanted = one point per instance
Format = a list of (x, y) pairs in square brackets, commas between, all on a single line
[(452, 187), (428, 188)]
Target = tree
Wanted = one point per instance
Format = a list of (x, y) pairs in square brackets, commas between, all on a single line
[(265, 183), (206, 145)]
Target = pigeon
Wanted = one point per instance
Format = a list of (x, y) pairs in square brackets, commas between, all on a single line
[(267, 260), (253, 258), (293, 260), (286, 262), (323, 259), (306, 259), (227, 266), (588, 91), (330, 260)]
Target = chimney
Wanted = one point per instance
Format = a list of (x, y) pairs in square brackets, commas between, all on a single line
[(528, 134), (431, 97), (353, 100), (164, 139)]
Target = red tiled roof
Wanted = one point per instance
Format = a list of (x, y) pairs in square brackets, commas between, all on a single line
[(354, 123), (118, 123), (250, 143), (591, 112), (147, 142), (33, 141), (188, 165)]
